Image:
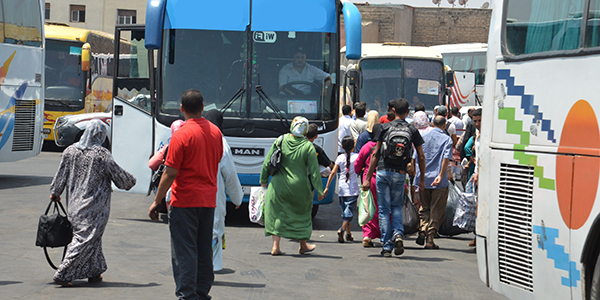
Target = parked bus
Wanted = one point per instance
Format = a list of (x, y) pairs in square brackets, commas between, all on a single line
[(233, 53), (538, 218), (467, 58), (390, 71), (78, 73), (21, 78)]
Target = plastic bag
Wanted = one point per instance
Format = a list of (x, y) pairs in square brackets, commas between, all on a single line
[(447, 227), (366, 208), (410, 216), (258, 197), (465, 211)]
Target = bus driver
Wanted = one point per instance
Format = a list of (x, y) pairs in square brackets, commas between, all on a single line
[(298, 71)]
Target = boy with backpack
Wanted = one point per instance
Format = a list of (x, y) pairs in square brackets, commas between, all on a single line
[(391, 156)]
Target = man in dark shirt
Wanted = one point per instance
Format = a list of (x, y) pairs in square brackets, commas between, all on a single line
[(391, 176), (322, 158)]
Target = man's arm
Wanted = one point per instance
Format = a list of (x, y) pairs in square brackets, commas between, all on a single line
[(166, 181), (443, 170)]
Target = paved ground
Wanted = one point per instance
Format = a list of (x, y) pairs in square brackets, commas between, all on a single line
[(138, 255)]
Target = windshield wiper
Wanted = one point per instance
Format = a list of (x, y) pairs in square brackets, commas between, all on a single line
[(58, 102), (229, 103), (270, 104)]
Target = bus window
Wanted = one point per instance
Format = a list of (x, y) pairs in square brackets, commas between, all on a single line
[(423, 82), (592, 33), (22, 23), (479, 67), (534, 26)]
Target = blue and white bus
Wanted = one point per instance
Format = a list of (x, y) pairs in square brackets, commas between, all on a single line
[(233, 52), (21, 78)]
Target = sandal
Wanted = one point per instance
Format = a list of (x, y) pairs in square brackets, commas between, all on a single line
[(420, 239), (303, 251), (63, 283), (276, 252), (368, 244), (349, 238), (434, 246), (340, 234), (95, 279)]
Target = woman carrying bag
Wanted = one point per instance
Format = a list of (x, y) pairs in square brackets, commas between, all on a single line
[(86, 171)]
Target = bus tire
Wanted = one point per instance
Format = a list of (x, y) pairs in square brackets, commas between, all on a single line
[(595, 283), (315, 209)]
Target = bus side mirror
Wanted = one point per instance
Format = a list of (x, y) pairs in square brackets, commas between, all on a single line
[(352, 77), (85, 57), (450, 79)]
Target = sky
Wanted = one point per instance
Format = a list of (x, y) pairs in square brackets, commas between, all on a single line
[(425, 3)]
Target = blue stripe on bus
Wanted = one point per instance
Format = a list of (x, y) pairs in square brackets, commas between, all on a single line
[(547, 241), (294, 15), (526, 102), (230, 15)]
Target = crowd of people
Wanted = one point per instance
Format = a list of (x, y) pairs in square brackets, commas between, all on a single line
[(375, 154)]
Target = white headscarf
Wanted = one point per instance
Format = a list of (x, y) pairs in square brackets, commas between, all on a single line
[(94, 134)]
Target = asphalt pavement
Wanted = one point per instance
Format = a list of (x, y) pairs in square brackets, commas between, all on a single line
[(137, 252)]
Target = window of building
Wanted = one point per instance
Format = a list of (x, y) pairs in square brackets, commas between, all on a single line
[(126, 16), (78, 13), (47, 12)]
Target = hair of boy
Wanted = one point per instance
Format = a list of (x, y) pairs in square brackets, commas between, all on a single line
[(360, 110), (419, 107), (477, 112), (346, 110), (312, 131), (401, 106)]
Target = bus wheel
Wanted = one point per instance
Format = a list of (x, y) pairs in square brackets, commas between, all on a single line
[(595, 284), (315, 209)]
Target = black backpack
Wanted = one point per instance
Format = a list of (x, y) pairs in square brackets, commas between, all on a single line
[(396, 144)]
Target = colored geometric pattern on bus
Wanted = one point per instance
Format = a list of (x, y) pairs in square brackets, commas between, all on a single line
[(8, 112), (516, 127), (526, 102), (547, 242), (7, 116)]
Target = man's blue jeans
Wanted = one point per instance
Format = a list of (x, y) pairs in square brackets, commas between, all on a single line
[(390, 195)]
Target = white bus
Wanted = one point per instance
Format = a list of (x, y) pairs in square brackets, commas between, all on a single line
[(538, 224), (467, 58), (21, 78), (390, 71)]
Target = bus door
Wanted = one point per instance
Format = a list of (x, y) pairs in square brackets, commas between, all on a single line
[(132, 130)]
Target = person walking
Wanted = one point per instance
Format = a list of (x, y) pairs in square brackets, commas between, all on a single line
[(347, 187), (367, 135), (288, 204), (438, 152), (361, 165), (227, 181), (360, 124), (344, 126), (325, 164), (192, 167), (86, 171), (391, 157)]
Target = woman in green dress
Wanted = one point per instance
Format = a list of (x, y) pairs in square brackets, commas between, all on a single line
[(288, 204)]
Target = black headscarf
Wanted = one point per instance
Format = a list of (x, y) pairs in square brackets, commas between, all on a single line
[(375, 132), (215, 117)]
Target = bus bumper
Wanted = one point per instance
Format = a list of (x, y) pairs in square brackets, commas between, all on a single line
[(482, 259)]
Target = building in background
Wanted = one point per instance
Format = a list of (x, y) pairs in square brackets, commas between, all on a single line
[(423, 26), (96, 14)]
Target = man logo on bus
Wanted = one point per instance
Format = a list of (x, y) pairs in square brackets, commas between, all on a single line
[(265, 37)]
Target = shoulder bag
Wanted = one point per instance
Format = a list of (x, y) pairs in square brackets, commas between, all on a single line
[(275, 159)]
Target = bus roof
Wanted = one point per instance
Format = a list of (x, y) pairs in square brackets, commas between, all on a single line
[(461, 48), (62, 32), (392, 49)]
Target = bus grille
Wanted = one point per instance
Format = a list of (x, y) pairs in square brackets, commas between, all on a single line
[(24, 131), (515, 232)]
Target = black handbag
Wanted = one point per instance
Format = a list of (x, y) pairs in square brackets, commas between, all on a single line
[(54, 230), (161, 169), (275, 159)]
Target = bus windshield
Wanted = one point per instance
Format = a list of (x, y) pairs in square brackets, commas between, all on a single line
[(215, 63), (64, 78), (384, 79), (467, 62)]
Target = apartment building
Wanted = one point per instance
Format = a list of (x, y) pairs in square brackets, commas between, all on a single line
[(96, 14)]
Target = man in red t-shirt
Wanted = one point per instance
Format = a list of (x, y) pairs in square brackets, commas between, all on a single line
[(191, 171)]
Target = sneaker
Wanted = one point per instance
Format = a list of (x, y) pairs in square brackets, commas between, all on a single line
[(386, 253), (398, 245)]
